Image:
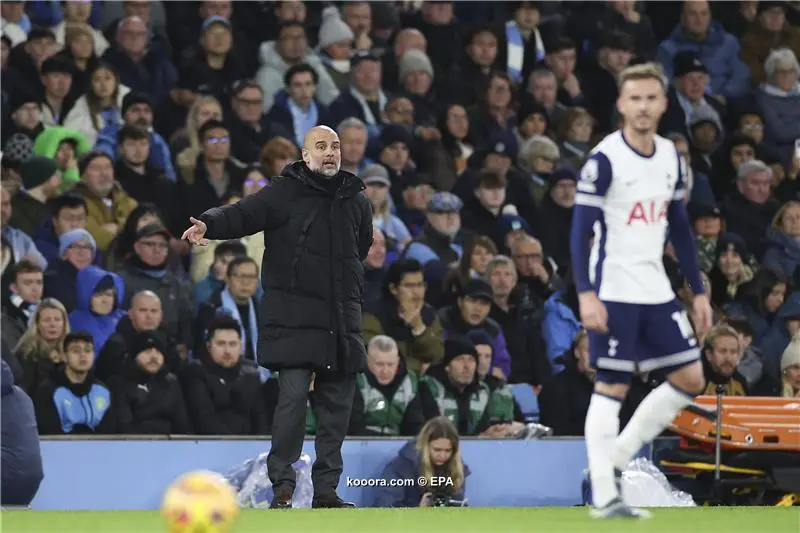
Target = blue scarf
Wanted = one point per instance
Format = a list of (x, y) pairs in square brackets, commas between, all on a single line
[(301, 120), (516, 51), (230, 307)]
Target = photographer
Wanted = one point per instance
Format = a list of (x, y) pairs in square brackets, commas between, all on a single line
[(434, 456)]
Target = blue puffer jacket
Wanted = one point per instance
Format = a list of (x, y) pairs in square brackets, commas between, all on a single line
[(775, 341), (559, 327), (783, 253), (21, 470), (405, 466), (719, 52)]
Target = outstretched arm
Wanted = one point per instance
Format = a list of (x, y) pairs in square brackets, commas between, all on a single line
[(264, 211)]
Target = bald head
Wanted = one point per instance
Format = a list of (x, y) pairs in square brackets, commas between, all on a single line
[(409, 39), (322, 151), (145, 312)]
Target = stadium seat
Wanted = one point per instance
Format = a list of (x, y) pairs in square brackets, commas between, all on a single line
[(527, 400)]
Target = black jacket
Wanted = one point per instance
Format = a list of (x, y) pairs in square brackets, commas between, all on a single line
[(115, 354), (312, 272), (83, 413), (147, 404), (225, 401)]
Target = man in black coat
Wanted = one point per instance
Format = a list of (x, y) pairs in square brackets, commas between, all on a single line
[(318, 230)]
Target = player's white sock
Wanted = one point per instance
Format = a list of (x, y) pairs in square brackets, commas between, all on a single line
[(653, 415), (602, 426)]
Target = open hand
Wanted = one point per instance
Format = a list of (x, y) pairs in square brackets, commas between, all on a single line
[(196, 232)]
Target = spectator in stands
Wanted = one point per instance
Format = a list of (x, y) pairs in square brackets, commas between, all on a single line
[(575, 134), (616, 49), (365, 100), (561, 59), (146, 269), (137, 175), (716, 49), (145, 315), (475, 68), (403, 315), (40, 349), (56, 102), (449, 159), (26, 118), (502, 397), (185, 142), (395, 151), (223, 253), (297, 108), (564, 400), (727, 159), (758, 301), (21, 456), (107, 203), (784, 326), (561, 323), (215, 174), (358, 17), (77, 13), (334, 46), (749, 210), (208, 67), (249, 127), (435, 248), (41, 179), (706, 134), (137, 109), (353, 137), (779, 102), (16, 24), (480, 250), (20, 300), (520, 321), (386, 401), (79, 51), (770, 32), (415, 77), (238, 300), (66, 147), (100, 105), (751, 363), (435, 452), (148, 399), (223, 394), (495, 109), (534, 269), (414, 195), (722, 350), (531, 120), (452, 389), (700, 192), (482, 213), (77, 250), (291, 48), (707, 223), (783, 240), (18, 149), (121, 248), (143, 66), (555, 212), (524, 46), (20, 243), (543, 89), (404, 40), (99, 300), (731, 270), (73, 401), (790, 370), (538, 157), (375, 268), (376, 178)]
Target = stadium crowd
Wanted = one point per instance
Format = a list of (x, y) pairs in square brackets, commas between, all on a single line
[(467, 123)]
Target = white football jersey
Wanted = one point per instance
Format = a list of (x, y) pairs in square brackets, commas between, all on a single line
[(634, 193)]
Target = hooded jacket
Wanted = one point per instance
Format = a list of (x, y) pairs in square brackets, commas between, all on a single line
[(47, 144), (83, 318), (66, 408), (406, 466)]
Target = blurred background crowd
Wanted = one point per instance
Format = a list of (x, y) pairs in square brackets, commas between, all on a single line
[(467, 122)]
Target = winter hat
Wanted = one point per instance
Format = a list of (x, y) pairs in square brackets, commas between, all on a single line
[(21, 97), (375, 174), (458, 345), (18, 149), (511, 223), (791, 355), (133, 98), (333, 29), (413, 61), (477, 289), (479, 337), (37, 170), (731, 241), (143, 341), (71, 237), (560, 174), (686, 62), (394, 133), (88, 158)]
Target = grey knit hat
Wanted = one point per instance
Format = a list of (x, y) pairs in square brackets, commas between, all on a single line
[(333, 30), (413, 61)]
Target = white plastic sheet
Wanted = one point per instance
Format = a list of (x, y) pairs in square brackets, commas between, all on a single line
[(644, 485), (254, 489)]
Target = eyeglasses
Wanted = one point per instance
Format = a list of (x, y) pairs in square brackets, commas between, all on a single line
[(160, 246), (218, 140)]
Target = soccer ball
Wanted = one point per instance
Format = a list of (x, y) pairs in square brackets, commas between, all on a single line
[(200, 502)]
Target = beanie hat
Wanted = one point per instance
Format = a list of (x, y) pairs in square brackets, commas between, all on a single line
[(458, 345), (133, 98), (333, 29), (731, 241), (18, 149), (88, 158), (412, 61), (19, 98), (143, 341), (71, 237), (791, 355), (37, 170), (394, 133), (480, 337)]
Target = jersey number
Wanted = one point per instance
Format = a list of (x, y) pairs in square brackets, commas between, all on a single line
[(685, 326)]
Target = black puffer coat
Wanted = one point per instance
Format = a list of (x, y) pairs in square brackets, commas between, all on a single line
[(313, 276)]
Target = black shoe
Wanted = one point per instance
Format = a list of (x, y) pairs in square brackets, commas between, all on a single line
[(282, 499), (332, 501)]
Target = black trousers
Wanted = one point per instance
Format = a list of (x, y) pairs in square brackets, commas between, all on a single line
[(333, 402)]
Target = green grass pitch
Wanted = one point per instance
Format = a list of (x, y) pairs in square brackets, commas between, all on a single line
[(483, 520)]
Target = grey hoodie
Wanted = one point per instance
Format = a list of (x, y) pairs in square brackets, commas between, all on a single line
[(273, 68), (705, 113)]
